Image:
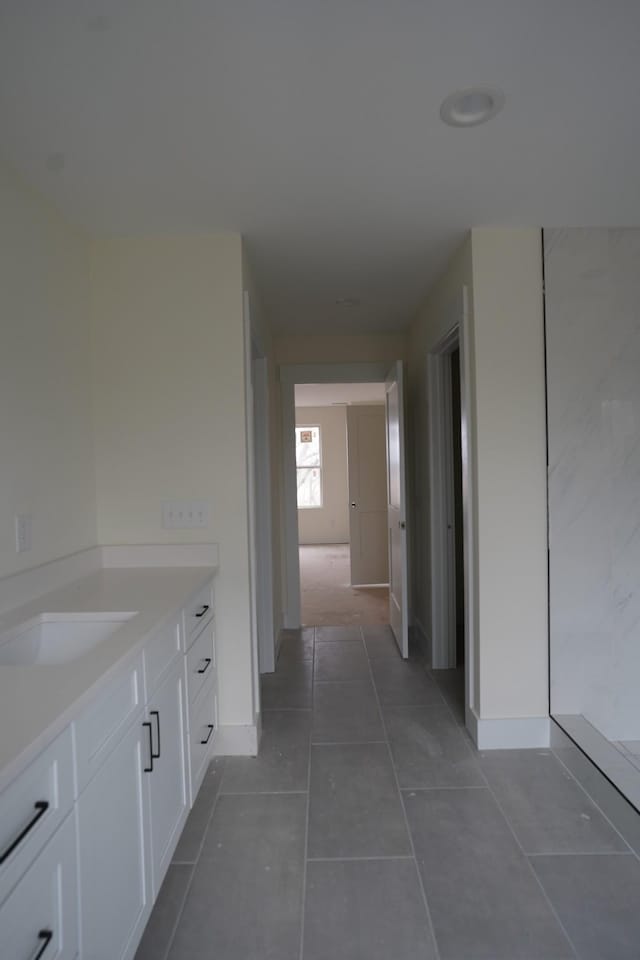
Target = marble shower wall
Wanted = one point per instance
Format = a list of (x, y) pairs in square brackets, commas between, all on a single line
[(592, 280)]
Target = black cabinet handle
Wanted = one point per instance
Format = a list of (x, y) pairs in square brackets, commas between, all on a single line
[(154, 713), (149, 769), (46, 936), (208, 736), (41, 806), (203, 610), (207, 664)]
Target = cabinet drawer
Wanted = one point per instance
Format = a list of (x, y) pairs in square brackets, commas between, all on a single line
[(160, 651), (201, 662), (198, 612), (102, 724), (202, 733), (42, 912), (32, 807)]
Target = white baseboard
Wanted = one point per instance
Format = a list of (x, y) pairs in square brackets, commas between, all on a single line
[(237, 740), (160, 555), (20, 588), (508, 733)]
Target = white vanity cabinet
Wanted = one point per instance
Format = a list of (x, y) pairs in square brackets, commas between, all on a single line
[(32, 808), (166, 780), (115, 852), (130, 817), (39, 919), (38, 861), (201, 673), (131, 742), (88, 829)]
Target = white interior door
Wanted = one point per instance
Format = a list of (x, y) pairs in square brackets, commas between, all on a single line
[(367, 494), (396, 509)]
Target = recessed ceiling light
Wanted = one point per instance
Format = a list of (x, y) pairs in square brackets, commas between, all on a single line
[(347, 302), (468, 108)]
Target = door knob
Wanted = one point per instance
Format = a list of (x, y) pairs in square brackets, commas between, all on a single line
[(401, 524), (353, 504)]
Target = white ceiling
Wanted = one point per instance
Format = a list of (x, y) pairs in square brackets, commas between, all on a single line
[(328, 394), (312, 127)]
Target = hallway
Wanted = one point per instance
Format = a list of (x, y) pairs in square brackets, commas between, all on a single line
[(326, 594), (370, 829)]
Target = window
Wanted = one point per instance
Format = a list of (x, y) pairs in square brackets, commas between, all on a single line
[(309, 467)]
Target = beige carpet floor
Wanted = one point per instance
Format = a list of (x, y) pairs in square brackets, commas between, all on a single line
[(326, 594)]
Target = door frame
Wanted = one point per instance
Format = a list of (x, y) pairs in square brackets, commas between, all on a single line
[(442, 502), (440, 438), (290, 375), (259, 498)]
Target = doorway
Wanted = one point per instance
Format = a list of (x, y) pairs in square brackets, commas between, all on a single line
[(323, 373), (451, 560), (341, 503)]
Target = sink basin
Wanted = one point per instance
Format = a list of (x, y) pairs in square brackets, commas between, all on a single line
[(57, 637)]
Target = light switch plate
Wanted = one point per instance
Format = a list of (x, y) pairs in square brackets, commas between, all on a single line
[(185, 514)]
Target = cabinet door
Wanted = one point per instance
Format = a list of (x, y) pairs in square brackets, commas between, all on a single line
[(40, 916), (114, 852), (167, 783)]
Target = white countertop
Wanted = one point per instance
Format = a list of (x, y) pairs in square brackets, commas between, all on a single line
[(37, 702)]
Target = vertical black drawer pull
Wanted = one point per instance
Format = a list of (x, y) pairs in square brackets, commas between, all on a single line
[(149, 769), (46, 936), (154, 713), (202, 612), (41, 806), (208, 736), (207, 664)]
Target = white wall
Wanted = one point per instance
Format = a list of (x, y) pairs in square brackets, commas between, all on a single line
[(169, 397), (593, 382), (45, 398), (340, 348), (510, 437), (330, 522), (502, 269)]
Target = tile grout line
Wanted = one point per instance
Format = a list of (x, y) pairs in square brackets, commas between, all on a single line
[(263, 793), (303, 896), (344, 743), (475, 786), (470, 748), (580, 853), (635, 853), (529, 864), (400, 856), (406, 819), (172, 936), (288, 709)]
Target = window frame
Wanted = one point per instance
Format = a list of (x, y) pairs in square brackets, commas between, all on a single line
[(319, 467)]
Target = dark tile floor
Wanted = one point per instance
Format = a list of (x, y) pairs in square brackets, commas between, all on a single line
[(369, 828)]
